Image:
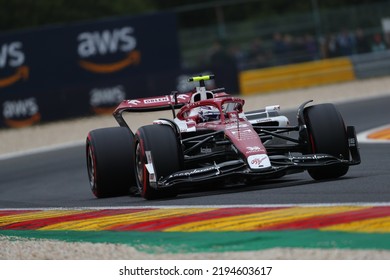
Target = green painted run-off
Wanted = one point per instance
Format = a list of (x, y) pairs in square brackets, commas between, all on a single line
[(196, 242)]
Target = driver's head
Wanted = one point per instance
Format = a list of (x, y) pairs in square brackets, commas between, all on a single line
[(209, 113)]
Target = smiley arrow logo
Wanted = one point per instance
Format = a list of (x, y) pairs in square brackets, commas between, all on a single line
[(21, 73), (133, 57), (23, 122)]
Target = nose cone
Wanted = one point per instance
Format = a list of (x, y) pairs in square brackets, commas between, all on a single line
[(259, 161)]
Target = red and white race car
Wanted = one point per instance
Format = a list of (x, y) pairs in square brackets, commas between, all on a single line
[(211, 139)]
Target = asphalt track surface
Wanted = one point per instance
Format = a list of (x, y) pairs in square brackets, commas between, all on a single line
[(58, 178)]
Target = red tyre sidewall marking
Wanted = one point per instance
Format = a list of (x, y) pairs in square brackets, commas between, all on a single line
[(144, 170), (92, 151)]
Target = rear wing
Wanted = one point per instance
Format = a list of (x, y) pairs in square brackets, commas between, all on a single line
[(157, 103), (173, 101)]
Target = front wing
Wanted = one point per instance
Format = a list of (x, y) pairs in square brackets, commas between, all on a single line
[(280, 165), (239, 170)]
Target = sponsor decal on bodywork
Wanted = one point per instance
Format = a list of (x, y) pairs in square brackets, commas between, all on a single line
[(259, 161), (156, 100), (255, 149), (194, 172)]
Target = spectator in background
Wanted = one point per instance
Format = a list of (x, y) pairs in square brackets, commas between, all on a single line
[(311, 47), (239, 55), (290, 48), (330, 48), (279, 49), (345, 43), (387, 39), (223, 65), (296, 49), (378, 44), (362, 42), (257, 56)]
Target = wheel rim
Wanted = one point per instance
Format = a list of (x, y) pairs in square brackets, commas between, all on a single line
[(91, 167)]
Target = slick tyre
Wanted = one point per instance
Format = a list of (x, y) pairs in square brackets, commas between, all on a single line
[(327, 135), (157, 154), (110, 164)]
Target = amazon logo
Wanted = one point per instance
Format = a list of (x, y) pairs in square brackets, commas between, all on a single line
[(12, 56), (92, 45), (105, 100), (21, 113)]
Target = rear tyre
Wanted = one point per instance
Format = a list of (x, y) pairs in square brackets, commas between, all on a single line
[(109, 161), (327, 135), (157, 154)]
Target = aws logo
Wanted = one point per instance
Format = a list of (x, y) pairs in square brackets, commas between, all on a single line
[(21, 113), (93, 45), (105, 100), (12, 56)]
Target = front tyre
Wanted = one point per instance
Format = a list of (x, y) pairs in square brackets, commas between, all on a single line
[(157, 154), (327, 135), (110, 166)]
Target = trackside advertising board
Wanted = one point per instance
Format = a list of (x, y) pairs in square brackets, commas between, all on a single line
[(73, 70)]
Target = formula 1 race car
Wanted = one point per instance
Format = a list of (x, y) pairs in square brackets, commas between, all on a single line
[(211, 140)]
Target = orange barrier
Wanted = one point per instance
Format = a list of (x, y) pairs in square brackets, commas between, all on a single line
[(296, 76)]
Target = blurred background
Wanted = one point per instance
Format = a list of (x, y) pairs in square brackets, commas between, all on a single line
[(66, 58)]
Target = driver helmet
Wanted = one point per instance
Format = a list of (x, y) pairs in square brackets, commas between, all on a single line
[(209, 113)]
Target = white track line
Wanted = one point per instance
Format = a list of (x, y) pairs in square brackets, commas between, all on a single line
[(41, 150), (367, 204), (362, 137)]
